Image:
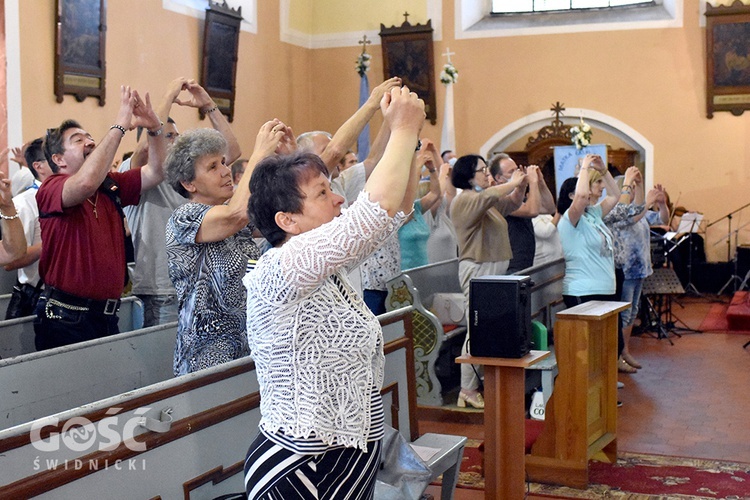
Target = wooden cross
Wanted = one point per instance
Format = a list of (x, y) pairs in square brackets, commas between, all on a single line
[(406, 17), (448, 53), (364, 43), (558, 110)]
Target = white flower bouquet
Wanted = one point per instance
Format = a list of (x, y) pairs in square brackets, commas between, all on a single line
[(363, 63), (449, 74), (580, 135)]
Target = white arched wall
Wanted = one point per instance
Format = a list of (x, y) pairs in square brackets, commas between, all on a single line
[(530, 124)]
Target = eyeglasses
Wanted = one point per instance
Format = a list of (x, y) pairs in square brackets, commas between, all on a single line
[(484, 170)]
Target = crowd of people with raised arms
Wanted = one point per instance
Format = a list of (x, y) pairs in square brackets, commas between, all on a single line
[(284, 255)]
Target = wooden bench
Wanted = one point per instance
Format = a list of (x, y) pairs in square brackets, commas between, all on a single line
[(202, 425), (417, 287), (17, 335), (43, 383)]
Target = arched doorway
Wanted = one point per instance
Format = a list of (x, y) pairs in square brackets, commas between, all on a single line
[(545, 135)]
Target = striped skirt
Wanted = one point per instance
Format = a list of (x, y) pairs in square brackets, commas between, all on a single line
[(273, 472)]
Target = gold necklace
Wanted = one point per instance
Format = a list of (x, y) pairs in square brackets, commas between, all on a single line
[(93, 204)]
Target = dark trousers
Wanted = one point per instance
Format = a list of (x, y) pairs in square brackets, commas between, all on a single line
[(56, 326), (571, 300), (375, 300)]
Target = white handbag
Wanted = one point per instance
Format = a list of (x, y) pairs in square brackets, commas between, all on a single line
[(450, 308)]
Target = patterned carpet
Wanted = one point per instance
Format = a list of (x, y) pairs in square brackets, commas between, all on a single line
[(636, 476)]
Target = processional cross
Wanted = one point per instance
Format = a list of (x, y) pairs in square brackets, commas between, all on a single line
[(364, 43)]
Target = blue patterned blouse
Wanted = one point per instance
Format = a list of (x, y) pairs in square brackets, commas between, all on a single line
[(212, 299)]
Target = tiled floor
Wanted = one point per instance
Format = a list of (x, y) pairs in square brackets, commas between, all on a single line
[(690, 399)]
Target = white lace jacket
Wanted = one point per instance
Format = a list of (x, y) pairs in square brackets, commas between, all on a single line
[(318, 350)]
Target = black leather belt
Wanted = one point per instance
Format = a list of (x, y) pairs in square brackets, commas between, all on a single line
[(108, 307)]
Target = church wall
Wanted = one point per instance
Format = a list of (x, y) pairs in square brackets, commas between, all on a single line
[(653, 80), (147, 47)]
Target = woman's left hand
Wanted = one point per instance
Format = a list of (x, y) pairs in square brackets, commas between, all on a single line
[(268, 138)]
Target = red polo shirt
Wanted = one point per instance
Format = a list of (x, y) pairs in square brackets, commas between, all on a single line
[(83, 253)]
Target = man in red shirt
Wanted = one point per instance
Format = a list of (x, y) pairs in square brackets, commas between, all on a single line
[(83, 253)]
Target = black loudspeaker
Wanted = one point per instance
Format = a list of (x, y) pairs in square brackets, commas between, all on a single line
[(500, 316), (743, 260)]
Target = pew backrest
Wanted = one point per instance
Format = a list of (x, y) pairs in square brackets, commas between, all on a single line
[(17, 335), (44, 383), (207, 419)]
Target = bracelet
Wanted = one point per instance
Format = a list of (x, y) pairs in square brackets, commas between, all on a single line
[(118, 127), (8, 217), (432, 170), (210, 110), (158, 132)]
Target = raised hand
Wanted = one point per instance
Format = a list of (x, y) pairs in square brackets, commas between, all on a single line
[(125, 113), (143, 114), (518, 178), (632, 174), (288, 143), (533, 174), (268, 138), (18, 155), (174, 88), (199, 98), (403, 110), (384, 88)]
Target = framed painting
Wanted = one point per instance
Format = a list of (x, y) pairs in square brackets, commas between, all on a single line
[(80, 68), (221, 43), (408, 53), (728, 58)]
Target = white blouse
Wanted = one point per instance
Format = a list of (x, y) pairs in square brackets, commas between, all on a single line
[(318, 349)]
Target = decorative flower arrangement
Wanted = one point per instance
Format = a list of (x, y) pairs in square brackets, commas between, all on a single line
[(581, 135), (449, 74), (363, 63)]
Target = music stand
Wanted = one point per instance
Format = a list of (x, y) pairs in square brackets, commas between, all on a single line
[(663, 284)]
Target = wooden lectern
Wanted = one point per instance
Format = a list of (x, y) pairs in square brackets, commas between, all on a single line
[(581, 416), (504, 423)]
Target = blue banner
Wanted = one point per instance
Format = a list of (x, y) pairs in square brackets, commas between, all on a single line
[(567, 159), (363, 141)]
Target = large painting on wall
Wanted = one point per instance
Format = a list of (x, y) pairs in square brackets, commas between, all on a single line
[(407, 53), (221, 41), (728, 58), (80, 68)]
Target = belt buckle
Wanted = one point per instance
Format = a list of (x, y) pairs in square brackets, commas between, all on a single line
[(111, 306)]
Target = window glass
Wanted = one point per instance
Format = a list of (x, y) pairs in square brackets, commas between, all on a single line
[(515, 6)]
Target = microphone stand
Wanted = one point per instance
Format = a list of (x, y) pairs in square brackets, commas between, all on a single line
[(734, 278)]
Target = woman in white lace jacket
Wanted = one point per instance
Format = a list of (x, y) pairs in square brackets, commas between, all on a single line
[(318, 350)]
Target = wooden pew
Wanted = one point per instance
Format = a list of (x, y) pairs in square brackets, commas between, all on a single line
[(17, 335), (417, 287), (203, 425), (44, 383)]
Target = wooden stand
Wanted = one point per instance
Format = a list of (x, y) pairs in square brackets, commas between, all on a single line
[(504, 423), (581, 417)]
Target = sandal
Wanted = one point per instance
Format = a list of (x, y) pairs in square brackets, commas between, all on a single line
[(476, 400)]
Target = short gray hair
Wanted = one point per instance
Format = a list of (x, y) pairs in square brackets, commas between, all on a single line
[(305, 140), (186, 151)]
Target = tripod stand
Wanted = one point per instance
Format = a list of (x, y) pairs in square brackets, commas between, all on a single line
[(735, 277)]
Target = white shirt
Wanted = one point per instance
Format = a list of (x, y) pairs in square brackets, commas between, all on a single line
[(28, 212)]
